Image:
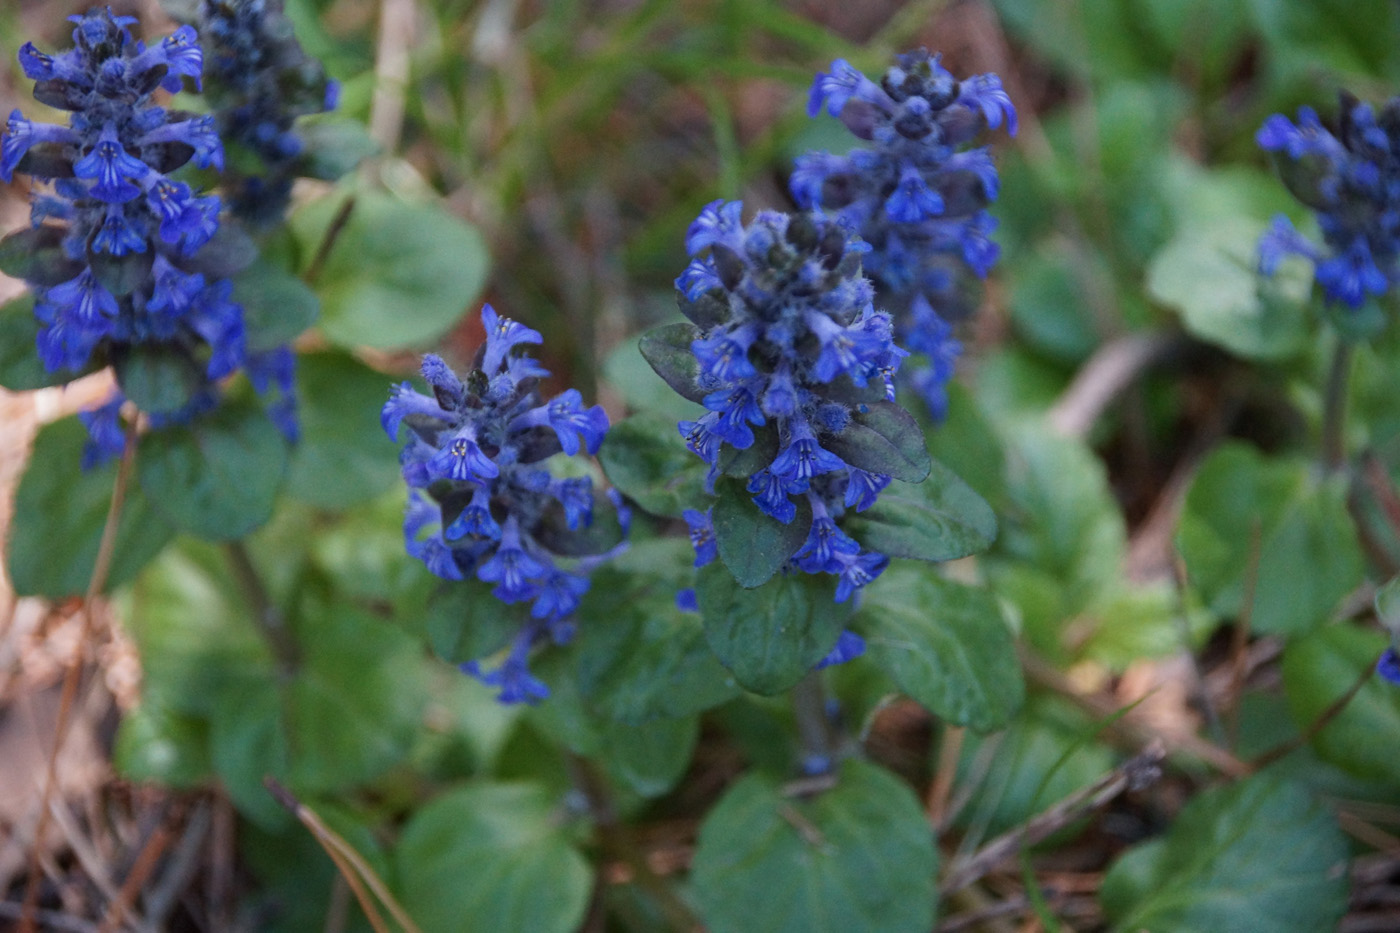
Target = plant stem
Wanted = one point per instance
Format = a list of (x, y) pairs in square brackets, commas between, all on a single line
[(265, 613), (618, 839), (73, 675), (1333, 710), (1334, 410), (813, 724)]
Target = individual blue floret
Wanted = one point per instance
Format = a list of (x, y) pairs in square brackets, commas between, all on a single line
[(482, 505), (1389, 666), (1351, 180), (117, 245), (792, 346), (917, 196)]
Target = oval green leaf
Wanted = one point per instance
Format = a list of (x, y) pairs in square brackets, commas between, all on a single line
[(398, 274), (857, 857), (770, 637), (938, 519), (218, 476), (60, 510), (945, 644)]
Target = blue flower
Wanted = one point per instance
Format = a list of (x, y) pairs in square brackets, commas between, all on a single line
[(502, 336), (462, 459), (788, 334), (771, 496), (849, 646), (111, 169), (106, 436), (512, 568), (576, 496), (702, 535), (856, 571), (513, 677), (825, 542), (1351, 179), (918, 196), (475, 449), (803, 458), (111, 195), (837, 88), (475, 519), (21, 135), (570, 421), (1389, 666)]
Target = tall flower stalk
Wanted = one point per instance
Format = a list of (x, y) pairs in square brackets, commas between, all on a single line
[(917, 196), (483, 505), (118, 255)]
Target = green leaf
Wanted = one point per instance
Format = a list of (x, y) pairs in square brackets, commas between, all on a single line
[(1317, 671), (667, 350), (60, 510), (35, 255), (342, 457), (346, 709), (228, 252), (333, 146), (20, 366), (771, 636), (1262, 854), (1048, 304), (650, 758), (945, 644), (857, 857), (466, 623), (883, 439), (398, 275), (1308, 554), (1387, 604), (1209, 274), (216, 477), (645, 457), (1046, 753), (627, 371), (492, 857), (157, 743), (121, 275), (277, 306), (651, 661), (159, 378), (939, 519), (752, 544)]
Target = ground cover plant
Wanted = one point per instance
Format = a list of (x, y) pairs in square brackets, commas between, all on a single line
[(699, 465)]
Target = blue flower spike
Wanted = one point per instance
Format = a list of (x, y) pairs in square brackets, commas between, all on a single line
[(917, 196), (789, 344), (1351, 180), (105, 197), (260, 82), (482, 506)]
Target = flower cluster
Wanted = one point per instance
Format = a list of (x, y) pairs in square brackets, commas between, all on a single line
[(918, 196), (117, 259), (481, 504), (1351, 179), (260, 81), (789, 342)]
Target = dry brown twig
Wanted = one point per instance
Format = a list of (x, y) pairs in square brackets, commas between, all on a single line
[(1136, 773)]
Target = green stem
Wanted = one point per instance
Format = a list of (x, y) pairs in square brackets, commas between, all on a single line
[(617, 838), (268, 617), (813, 725), (1334, 410)]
